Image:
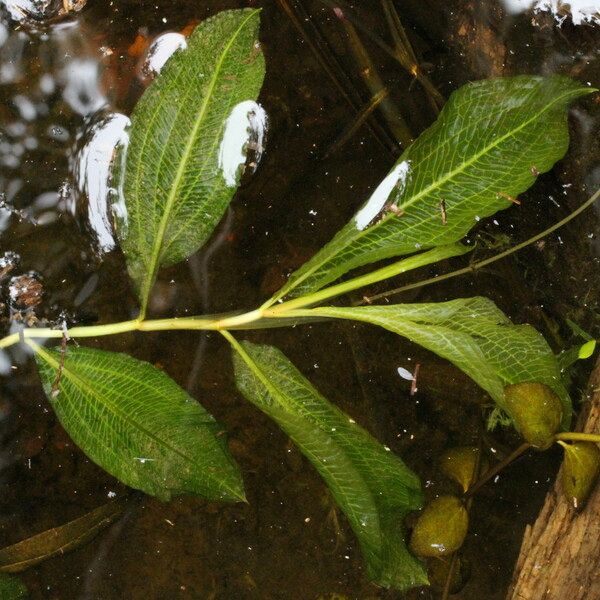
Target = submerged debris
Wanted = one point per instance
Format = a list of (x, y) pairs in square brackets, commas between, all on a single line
[(25, 291), (41, 10)]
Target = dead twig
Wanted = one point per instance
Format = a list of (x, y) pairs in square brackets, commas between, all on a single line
[(328, 62)]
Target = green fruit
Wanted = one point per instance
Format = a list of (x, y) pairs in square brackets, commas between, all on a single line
[(580, 471), (441, 528), (536, 412), (462, 464)]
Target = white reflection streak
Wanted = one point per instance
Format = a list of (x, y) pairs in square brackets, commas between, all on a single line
[(95, 175), (82, 86), (581, 10), (161, 49), (247, 121), (375, 204)]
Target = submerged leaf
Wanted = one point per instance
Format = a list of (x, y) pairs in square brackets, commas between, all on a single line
[(462, 464), (580, 472), (59, 540), (187, 143), (473, 334), (373, 487), (12, 589), (488, 144), (138, 424), (441, 528), (536, 412)]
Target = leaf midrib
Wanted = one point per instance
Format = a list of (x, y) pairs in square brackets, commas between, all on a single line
[(274, 392), (158, 241), (439, 182)]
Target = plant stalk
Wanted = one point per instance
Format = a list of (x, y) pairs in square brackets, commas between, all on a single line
[(292, 308), (575, 436), (492, 259), (491, 473)]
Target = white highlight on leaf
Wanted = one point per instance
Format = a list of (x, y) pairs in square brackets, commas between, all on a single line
[(396, 178), (582, 11), (247, 122), (405, 374), (161, 50)]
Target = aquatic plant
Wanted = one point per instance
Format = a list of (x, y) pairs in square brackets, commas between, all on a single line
[(189, 137)]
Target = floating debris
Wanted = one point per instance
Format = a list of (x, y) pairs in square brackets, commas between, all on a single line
[(25, 291)]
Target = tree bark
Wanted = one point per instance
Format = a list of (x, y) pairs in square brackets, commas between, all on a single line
[(560, 553)]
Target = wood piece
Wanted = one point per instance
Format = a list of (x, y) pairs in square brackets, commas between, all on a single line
[(560, 554)]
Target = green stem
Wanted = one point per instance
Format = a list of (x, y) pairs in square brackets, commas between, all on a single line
[(188, 323), (400, 266), (293, 308), (574, 436), (491, 473), (76, 332)]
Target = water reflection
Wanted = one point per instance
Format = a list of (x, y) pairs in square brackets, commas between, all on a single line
[(101, 145), (581, 11), (245, 131), (159, 52), (376, 204), (52, 79), (40, 10)]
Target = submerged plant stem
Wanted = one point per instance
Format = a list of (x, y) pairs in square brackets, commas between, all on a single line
[(293, 308), (188, 323), (491, 473), (575, 436), (373, 81), (492, 259)]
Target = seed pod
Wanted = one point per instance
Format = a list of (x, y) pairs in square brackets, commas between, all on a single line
[(441, 528), (535, 410), (462, 464), (580, 471)]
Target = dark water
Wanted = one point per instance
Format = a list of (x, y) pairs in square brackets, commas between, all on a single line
[(289, 541)]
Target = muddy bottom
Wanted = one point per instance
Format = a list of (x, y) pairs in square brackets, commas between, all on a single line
[(289, 541)]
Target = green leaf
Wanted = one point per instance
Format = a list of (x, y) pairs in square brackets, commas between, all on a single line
[(372, 486), (176, 184), (587, 350), (488, 144), (473, 334), (138, 424), (12, 589), (58, 541)]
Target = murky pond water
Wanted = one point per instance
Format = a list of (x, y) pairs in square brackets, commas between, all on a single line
[(67, 83)]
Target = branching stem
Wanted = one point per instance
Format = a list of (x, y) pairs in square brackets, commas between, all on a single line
[(574, 436), (292, 308)]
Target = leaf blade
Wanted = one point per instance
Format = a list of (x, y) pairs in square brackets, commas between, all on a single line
[(474, 335), (57, 541), (174, 188), (371, 485), (138, 424), (489, 143), (12, 589)]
